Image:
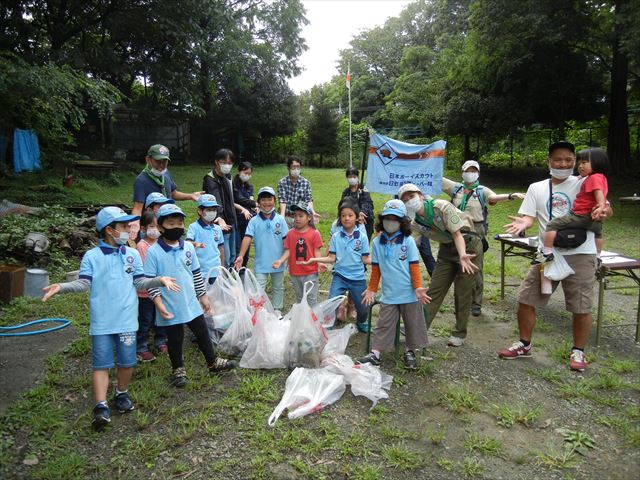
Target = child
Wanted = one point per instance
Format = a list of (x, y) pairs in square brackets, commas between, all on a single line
[(395, 259), (591, 200), (177, 258), (155, 200), (146, 310), (112, 272), (269, 229), (349, 250), (207, 237), (302, 243)]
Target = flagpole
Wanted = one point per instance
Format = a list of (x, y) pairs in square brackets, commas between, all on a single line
[(349, 90)]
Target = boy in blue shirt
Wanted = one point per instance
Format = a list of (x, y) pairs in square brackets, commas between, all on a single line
[(207, 237), (269, 229), (173, 256), (112, 272), (155, 200)]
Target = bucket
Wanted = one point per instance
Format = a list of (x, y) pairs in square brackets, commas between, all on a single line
[(73, 275), (35, 279)]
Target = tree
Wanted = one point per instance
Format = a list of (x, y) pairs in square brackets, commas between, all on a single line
[(322, 132)]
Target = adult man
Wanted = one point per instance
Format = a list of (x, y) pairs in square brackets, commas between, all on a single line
[(155, 178), (439, 220), (294, 188), (554, 197)]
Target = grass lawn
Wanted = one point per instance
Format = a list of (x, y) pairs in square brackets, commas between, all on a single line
[(463, 414)]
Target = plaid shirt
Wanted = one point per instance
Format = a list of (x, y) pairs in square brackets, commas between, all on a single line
[(290, 193)]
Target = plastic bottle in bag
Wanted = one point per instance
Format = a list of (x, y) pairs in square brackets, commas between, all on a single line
[(546, 286)]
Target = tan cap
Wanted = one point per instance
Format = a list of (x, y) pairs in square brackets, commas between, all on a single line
[(470, 163), (406, 188)]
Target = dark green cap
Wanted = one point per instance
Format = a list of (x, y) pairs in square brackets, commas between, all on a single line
[(158, 152)]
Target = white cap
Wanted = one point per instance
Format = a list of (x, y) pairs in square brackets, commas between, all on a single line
[(406, 188), (470, 163)]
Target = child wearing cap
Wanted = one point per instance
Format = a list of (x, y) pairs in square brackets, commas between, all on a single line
[(149, 233), (267, 231), (395, 259), (111, 272), (155, 200), (172, 255), (302, 243), (208, 238)]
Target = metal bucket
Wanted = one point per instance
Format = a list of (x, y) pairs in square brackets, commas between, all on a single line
[(35, 279)]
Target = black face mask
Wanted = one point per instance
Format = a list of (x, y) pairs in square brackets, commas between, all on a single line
[(173, 234)]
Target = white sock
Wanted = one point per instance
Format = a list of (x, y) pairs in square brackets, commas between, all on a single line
[(118, 392), (376, 353), (547, 250)]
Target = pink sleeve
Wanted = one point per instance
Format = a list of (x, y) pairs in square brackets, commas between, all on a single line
[(142, 248)]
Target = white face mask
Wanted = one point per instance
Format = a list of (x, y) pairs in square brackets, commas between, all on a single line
[(294, 172), (153, 232), (391, 226), (352, 181), (210, 216), (413, 205), (470, 177), (244, 177), (158, 173), (267, 212), (225, 168), (561, 173), (122, 238)]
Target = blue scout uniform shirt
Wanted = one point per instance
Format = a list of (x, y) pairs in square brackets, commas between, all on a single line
[(209, 256), (143, 186), (349, 250), (335, 228), (268, 233), (179, 262), (393, 255), (113, 302)]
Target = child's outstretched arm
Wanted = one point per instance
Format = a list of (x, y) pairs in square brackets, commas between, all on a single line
[(244, 248), (331, 258), (285, 256), (77, 286)]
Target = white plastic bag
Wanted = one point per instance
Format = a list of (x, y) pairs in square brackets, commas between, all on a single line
[(306, 337), (223, 296), (338, 340), (255, 294), (267, 344), (308, 391), (558, 269), (235, 339), (326, 310)]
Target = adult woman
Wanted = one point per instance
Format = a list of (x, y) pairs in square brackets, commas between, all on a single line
[(243, 196)]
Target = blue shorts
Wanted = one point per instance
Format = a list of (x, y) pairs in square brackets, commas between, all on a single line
[(102, 350)]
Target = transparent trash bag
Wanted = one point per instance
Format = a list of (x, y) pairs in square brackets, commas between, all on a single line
[(256, 297), (558, 269), (223, 296), (308, 391), (266, 347), (306, 337), (338, 340), (327, 309), (235, 340)]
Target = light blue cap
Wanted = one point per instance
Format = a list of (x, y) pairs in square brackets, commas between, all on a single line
[(266, 191), (395, 207), (109, 215), (207, 200), (157, 197), (169, 209)]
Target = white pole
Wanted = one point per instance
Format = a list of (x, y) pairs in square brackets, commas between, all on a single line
[(349, 90)]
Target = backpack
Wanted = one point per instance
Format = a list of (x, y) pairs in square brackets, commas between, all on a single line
[(479, 194)]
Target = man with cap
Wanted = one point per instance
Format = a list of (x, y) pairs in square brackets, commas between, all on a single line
[(472, 198), (460, 245), (155, 178), (544, 200)]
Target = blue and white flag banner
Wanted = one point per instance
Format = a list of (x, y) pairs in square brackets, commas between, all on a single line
[(392, 163)]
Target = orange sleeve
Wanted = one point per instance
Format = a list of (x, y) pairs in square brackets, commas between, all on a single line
[(416, 276), (374, 281)]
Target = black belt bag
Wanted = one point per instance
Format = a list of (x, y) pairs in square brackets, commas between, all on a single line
[(570, 238)]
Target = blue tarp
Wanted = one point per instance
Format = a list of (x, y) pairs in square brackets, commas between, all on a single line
[(26, 152)]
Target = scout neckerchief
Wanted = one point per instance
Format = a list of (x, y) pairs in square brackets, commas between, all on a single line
[(468, 191), (157, 180), (388, 240), (121, 249), (427, 220)]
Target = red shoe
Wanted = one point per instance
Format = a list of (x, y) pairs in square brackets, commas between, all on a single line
[(577, 361), (163, 349), (517, 350), (145, 357)]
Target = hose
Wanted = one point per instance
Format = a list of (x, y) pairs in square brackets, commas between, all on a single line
[(62, 321)]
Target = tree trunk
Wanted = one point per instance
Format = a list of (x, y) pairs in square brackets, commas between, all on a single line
[(618, 138), (467, 146)]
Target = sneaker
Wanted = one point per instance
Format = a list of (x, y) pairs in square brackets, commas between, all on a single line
[(542, 258), (163, 349), (455, 341), (517, 350), (178, 378), (145, 357), (410, 360), (476, 310), (372, 359), (101, 416), (363, 327), (123, 402), (577, 361), (222, 365)]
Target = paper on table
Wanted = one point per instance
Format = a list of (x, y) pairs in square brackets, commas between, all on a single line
[(616, 259), (607, 253)]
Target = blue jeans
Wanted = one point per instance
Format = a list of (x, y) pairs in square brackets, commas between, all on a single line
[(146, 321), (102, 350), (427, 257), (277, 287), (340, 285), (229, 247)]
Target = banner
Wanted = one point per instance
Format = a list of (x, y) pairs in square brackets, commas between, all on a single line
[(392, 163)]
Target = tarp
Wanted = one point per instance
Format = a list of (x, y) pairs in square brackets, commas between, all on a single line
[(392, 163), (26, 152)]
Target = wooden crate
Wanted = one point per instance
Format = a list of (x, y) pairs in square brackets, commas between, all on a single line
[(11, 282)]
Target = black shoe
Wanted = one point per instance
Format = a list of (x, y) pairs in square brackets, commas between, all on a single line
[(410, 360), (372, 359), (178, 378), (542, 258), (222, 365), (101, 416), (123, 402), (476, 311)]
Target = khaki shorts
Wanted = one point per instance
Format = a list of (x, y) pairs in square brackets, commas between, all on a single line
[(577, 288)]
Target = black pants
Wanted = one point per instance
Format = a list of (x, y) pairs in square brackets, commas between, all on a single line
[(175, 340)]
